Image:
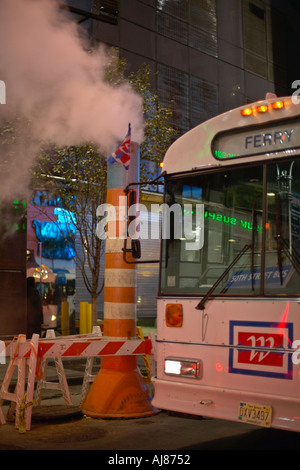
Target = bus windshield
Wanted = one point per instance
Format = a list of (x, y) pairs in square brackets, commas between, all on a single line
[(245, 220)]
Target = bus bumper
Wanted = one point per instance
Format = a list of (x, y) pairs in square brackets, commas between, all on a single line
[(222, 403)]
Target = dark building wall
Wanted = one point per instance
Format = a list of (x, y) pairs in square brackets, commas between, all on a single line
[(13, 303), (207, 56), (286, 35)]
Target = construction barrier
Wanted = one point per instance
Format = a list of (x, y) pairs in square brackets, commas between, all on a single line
[(23, 356), (42, 383), (30, 357)]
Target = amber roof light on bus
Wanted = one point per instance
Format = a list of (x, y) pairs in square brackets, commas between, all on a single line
[(246, 112), (263, 108), (277, 104)]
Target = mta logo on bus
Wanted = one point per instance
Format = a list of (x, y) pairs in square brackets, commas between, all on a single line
[(262, 356), (260, 348)]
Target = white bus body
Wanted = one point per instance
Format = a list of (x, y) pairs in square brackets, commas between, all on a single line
[(227, 343)]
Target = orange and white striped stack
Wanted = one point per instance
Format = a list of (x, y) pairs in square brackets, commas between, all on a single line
[(118, 390), (120, 282)]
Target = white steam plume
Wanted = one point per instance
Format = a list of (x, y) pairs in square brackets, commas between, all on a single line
[(52, 80)]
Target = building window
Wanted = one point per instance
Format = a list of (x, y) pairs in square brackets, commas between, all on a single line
[(109, 7), (203, 26), (192, 23), (173, 92), (191, 99), (178, 8), (172, 28), (204, 101), (263, 51), (255, 37)]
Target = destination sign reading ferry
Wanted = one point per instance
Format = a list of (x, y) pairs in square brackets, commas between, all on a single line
[(258, 140)]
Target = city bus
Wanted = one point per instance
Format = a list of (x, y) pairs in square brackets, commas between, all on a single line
[(228, 307)]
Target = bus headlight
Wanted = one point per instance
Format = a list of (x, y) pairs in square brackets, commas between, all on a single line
[(182, 367)]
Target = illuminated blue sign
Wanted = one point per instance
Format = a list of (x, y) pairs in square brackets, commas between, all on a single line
[(57, 238)]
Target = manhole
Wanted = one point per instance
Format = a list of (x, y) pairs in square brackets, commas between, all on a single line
[(79, 431), (56, 413)]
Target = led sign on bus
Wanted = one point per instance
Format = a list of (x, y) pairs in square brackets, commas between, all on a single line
[(284, 136)]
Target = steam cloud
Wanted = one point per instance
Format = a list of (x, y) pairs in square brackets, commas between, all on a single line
[(54, 81)]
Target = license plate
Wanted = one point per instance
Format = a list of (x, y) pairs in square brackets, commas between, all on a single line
[(259, 415)]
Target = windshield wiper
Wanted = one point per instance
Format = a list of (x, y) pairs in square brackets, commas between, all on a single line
[(201, 304), (278, 237), (254, 230), (283, 246), (293, 258)]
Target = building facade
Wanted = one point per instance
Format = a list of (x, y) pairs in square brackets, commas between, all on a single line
[(207, 56)]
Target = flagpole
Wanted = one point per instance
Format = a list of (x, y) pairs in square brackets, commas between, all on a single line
[(119, 390)]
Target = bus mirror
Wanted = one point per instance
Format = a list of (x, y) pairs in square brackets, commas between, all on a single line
[(132, 205), (136, 249), (132, 227)]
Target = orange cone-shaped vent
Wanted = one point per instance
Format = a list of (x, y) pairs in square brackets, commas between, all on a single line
[(118, 394)]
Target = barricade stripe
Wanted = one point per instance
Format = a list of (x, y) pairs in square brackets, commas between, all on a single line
[(44, 348), (75, 349), (144, 348), (126, 349), (23, 349), (111, 348)]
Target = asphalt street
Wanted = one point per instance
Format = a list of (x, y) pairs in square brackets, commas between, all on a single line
[(58, 427)]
